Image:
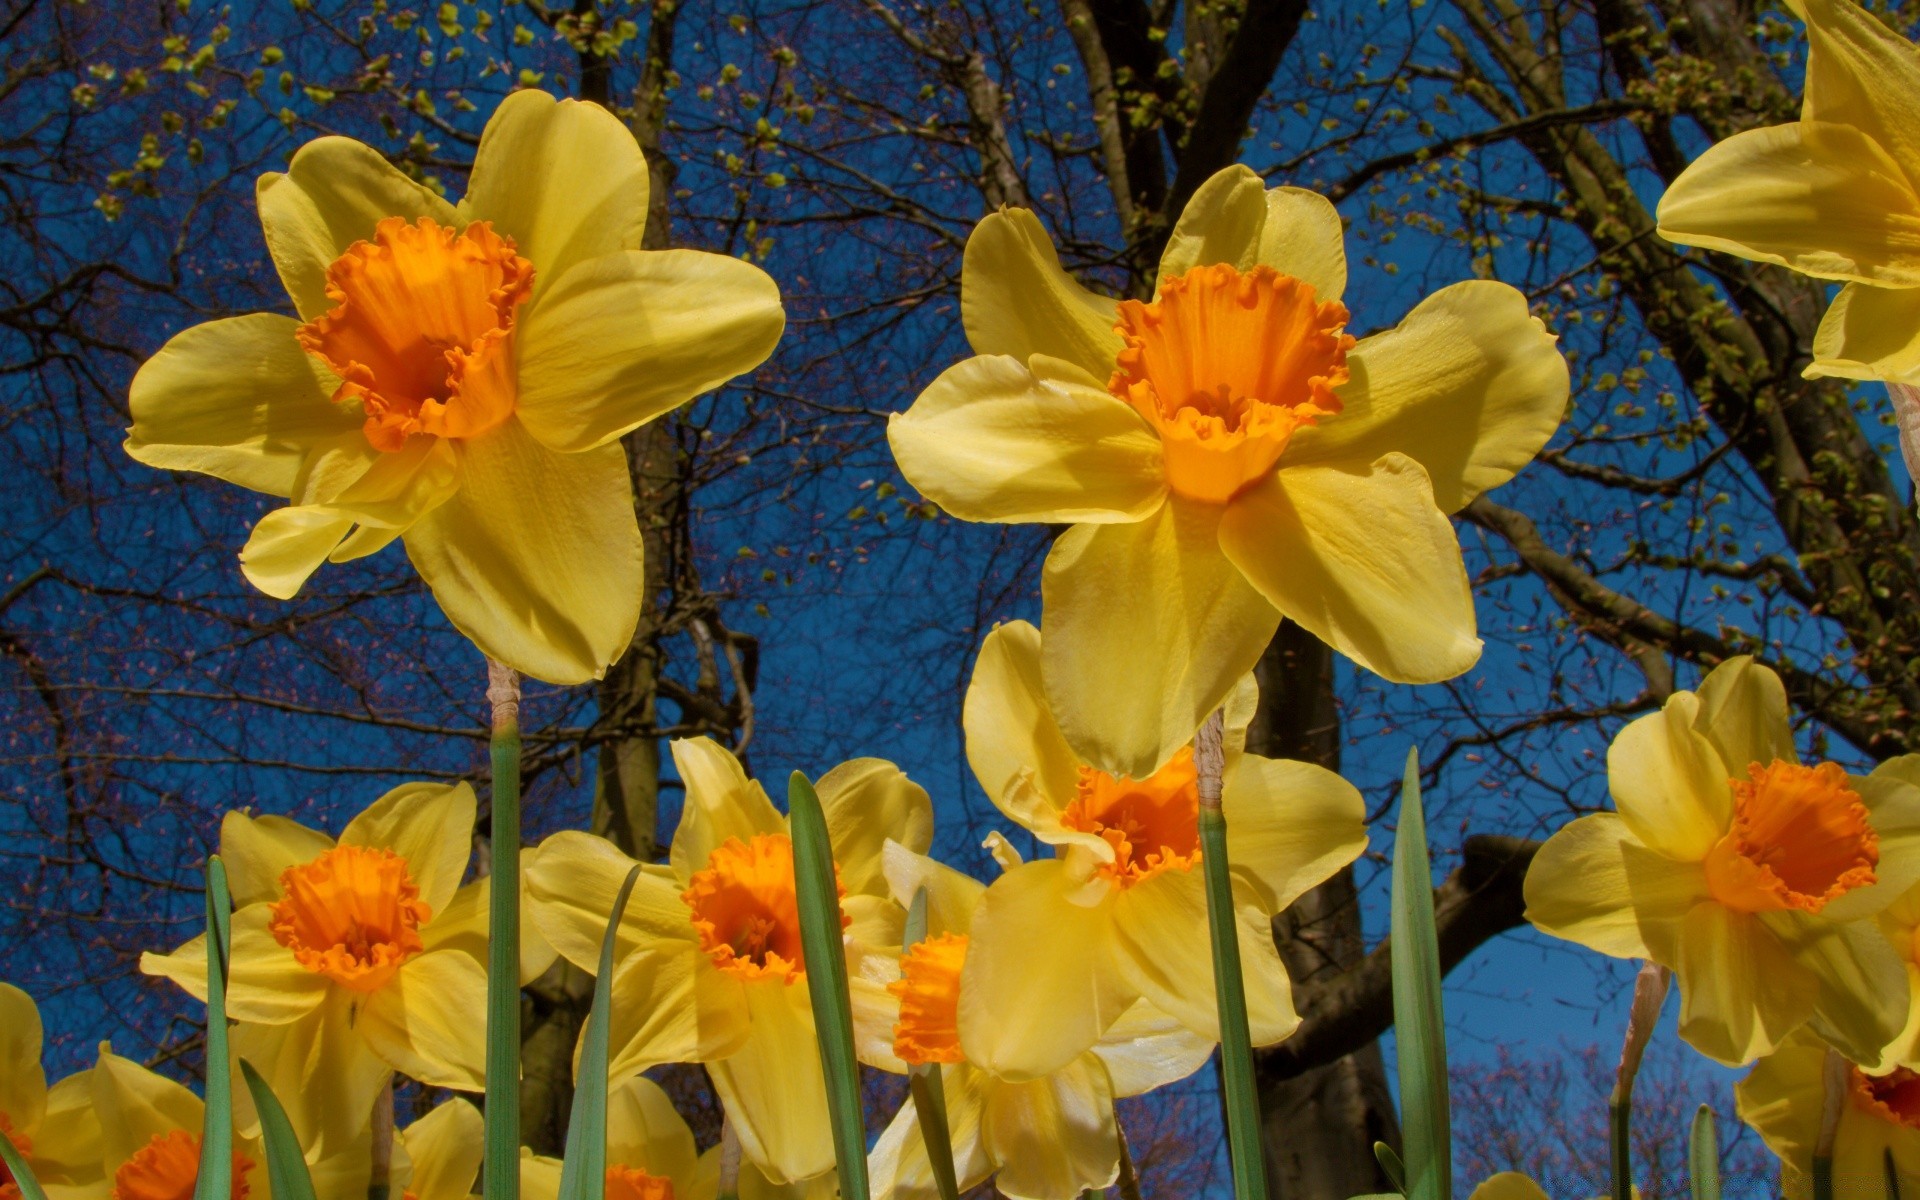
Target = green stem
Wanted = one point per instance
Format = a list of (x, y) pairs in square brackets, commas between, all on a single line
[(1229, 988), (1649, 994), (1834, 1080), (1619, 1126), (502, 1176)]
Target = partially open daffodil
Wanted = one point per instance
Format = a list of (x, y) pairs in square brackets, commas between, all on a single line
[(459, 376), (355, 958), (1835, 195), (1782, 1098), (650, 1152), (1227, 455), (54, 1129), (1752, 875), (1052, 1137), (708, 962), (1119, 913)]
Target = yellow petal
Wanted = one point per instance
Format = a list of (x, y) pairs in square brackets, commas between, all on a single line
[(539, 1176), (288, 545), (875, 1012), (645, 1132), (1015, 299), (1009, 726), (564, 180), (1160, 927), (1862, 74), (422, 1022), (1034, 950), (1743, 712), (428, 824), (446, 1148), (1053, 1138), (333, 194), (754, 1185), (136, 1105), (721, 803), (66, 1146), (1670, 783), (1869, 333), (236, 399), (1826, 200), (991, 441), (572, 879), (1147, 1049), (1290, 825), (772, 1086), (1740, 991), (1595, 883), (869, 802), (258, 850), (265, 983), (627, 337), (321, 1071), (537, 557), (1149, 628), (1470, 385), (1508, 1185), (1893, 808), (1221, 223), (671, 1005), (1303, 238), (23, 1082), (1782, 1098), (899, 1167), (186, 966), (463, 923), (1863, 1000), (1364, 561), (952, 896)]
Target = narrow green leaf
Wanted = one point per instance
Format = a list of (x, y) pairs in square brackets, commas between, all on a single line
[(583, 1172), (1703, 1156), (216, 1130), (501, 1178), (1418, 1022), (287, 1176), (1230, 999), (924, 1080), (820, 943), (23, 1177), (1389, 1162)]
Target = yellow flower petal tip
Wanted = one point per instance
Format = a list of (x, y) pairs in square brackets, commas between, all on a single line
[(461, 377)]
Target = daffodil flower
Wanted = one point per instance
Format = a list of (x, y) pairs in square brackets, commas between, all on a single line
[(54, 1129), (650, 1152), (1750, 874), (1227, 455), (1836, 195), (459, 377), (354, 958), (1782, 1099), (1508, 1185), (438, 1157), (1052, 1137), (1119, 913), (708, 963)]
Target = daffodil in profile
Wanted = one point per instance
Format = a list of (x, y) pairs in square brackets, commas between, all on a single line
[(1752, 875), (54, 1129), (1051, 1137), (1782, 1099), (1118, 912), (1834, 195), (1226, 454), (355, 958), (650, 1152), (708, 966), (459, 376)]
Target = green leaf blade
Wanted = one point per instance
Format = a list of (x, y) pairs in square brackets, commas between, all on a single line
[(287, 1177), (583, 1171), (1419, 1020), (1703, 1156), (215, 1181)]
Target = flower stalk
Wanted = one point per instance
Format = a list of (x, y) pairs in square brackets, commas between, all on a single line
[(1649, 993), (502, 1177), (1833, 1103)]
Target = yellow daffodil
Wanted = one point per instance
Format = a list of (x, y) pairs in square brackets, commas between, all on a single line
[(54, 1129), (459, 376), (1119, 913), (1227, 455), (1508, 1185), (650, 1152), (1744, 870), (708, 955), (149, 1146), (355, 958), (1046, 1138), (438, 1157), (1835, 195), (1782, 1098)]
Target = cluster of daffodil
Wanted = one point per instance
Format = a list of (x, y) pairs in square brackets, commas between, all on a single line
[(1223, 454)]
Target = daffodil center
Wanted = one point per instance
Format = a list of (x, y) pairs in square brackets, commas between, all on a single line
[(1800, 839), (168, 1166), (929, 990), (1894, 1097), (421, 329), (1226, 365), (745, 909), (631, 1183), (1153, 824), (353, 914)]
